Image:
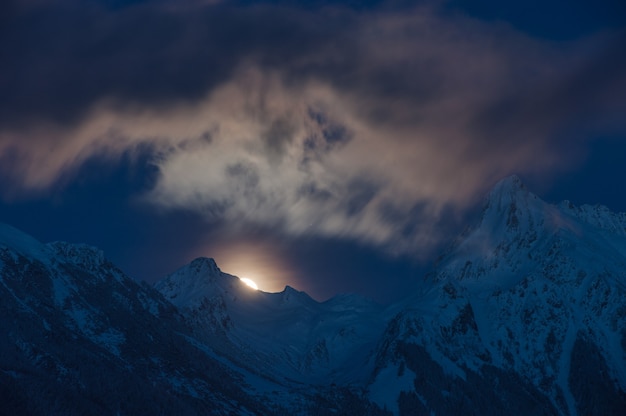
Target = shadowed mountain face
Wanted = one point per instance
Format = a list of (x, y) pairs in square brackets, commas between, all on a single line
[(79, 337), (524, 314)]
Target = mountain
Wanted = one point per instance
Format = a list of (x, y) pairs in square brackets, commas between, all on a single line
[(287, 336), (79, 337), (524, 314)]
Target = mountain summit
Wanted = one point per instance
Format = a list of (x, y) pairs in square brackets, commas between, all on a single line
[(286, 336), (524, 314), (533, 295)]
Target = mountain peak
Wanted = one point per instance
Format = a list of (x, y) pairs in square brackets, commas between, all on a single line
[(204, 265), (291, 295), (510, 214), (289, 292), (509, 200), (191, 283), (509, 186)]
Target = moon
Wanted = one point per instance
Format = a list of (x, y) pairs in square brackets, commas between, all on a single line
[(249, 282)]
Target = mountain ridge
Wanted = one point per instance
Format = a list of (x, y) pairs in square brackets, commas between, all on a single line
[(523, 288), (524, 313)]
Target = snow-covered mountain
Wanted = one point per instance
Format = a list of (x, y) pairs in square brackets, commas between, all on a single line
[(78, 337), (287, 336), (524, 314)]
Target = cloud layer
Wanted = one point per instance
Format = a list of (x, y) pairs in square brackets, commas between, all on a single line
[(369, 125)]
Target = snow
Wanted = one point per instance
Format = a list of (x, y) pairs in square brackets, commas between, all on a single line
[(61, 291), (111, 338), (388, 385), (533, 274), (564, 368), (519, 269), (89, 323), (15, 297), (527, 255), (304, 339), (23, 243), (149, 304)]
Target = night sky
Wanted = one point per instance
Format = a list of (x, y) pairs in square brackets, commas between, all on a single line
[(331, 146)]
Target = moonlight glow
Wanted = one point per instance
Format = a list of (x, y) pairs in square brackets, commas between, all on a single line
[(249, 283)]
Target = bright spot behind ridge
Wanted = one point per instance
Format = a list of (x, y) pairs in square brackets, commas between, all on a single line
[(249, 283)]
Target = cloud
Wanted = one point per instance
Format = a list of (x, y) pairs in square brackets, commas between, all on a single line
[(371, 125)]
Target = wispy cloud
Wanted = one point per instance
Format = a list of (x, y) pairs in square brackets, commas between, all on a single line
[(361, 125)]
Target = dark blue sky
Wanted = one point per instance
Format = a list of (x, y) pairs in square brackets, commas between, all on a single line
[(335, 147)]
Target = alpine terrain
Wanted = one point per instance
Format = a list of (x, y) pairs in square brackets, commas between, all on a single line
[(524, 314)]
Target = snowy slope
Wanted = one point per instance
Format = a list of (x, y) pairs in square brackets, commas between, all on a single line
[(524, 314), (535, 294), (286, 335), (79, 337)]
